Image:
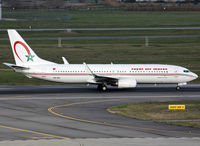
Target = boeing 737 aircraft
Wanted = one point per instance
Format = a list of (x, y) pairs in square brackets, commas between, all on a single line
[(120, 75)]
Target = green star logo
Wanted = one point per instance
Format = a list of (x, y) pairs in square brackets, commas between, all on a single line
[(29, 57)]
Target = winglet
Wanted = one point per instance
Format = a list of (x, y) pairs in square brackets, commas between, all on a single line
[(88, 69), (65, 60)]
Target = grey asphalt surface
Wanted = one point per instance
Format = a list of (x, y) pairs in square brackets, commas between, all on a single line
[(80, 112)]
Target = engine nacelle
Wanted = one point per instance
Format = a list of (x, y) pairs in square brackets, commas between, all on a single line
[(127, 83)]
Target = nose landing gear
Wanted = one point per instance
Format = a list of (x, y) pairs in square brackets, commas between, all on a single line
[(178, 87)]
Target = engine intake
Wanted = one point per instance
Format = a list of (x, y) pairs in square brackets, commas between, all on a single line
[(127, 83)]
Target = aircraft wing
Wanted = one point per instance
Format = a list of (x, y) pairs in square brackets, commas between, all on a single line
[(100, 79), (13, 66), (105, 79)]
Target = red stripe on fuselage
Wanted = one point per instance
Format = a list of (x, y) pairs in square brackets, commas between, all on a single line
[(110, 74)]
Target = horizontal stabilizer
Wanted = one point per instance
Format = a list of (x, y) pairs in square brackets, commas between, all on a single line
[(13, 66)]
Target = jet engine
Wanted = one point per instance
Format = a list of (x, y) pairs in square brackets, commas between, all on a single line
[(127, 83)]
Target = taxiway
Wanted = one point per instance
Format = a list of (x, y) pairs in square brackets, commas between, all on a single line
[(68, 112)]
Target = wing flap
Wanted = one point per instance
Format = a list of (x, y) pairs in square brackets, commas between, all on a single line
[(98, 78), (105, 79)]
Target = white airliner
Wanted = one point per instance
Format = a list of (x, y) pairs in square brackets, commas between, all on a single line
[(121, 75)]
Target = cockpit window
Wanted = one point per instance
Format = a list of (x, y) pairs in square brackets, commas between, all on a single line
[(186, 71)]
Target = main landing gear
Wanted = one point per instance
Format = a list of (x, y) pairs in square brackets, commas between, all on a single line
[(178, 88), (102, 87)]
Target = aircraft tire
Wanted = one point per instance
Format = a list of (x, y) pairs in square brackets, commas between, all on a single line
[(104, 88), (101, 87), (177, 88)]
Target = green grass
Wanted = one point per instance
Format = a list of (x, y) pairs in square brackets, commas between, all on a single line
[(158, 111), (167, 51), (3, 34), (12, 78), (183, 52), (51, 19)]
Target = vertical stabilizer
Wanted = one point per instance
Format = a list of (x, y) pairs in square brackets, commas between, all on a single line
[(23, 54)]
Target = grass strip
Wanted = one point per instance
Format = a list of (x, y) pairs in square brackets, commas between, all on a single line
[(94, 19), (158, 112)]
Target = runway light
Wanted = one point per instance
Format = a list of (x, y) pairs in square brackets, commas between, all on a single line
[(176, 107)]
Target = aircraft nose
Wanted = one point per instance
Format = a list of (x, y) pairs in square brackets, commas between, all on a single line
[(195, 75)]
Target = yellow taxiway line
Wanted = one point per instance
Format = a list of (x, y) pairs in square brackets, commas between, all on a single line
[(51, 110), (33, 132)]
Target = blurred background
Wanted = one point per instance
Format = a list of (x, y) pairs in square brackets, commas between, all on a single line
[(102, 31)]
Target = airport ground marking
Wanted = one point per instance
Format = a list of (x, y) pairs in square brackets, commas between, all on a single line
[(45, 137), (33, 132), (51, 110)]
